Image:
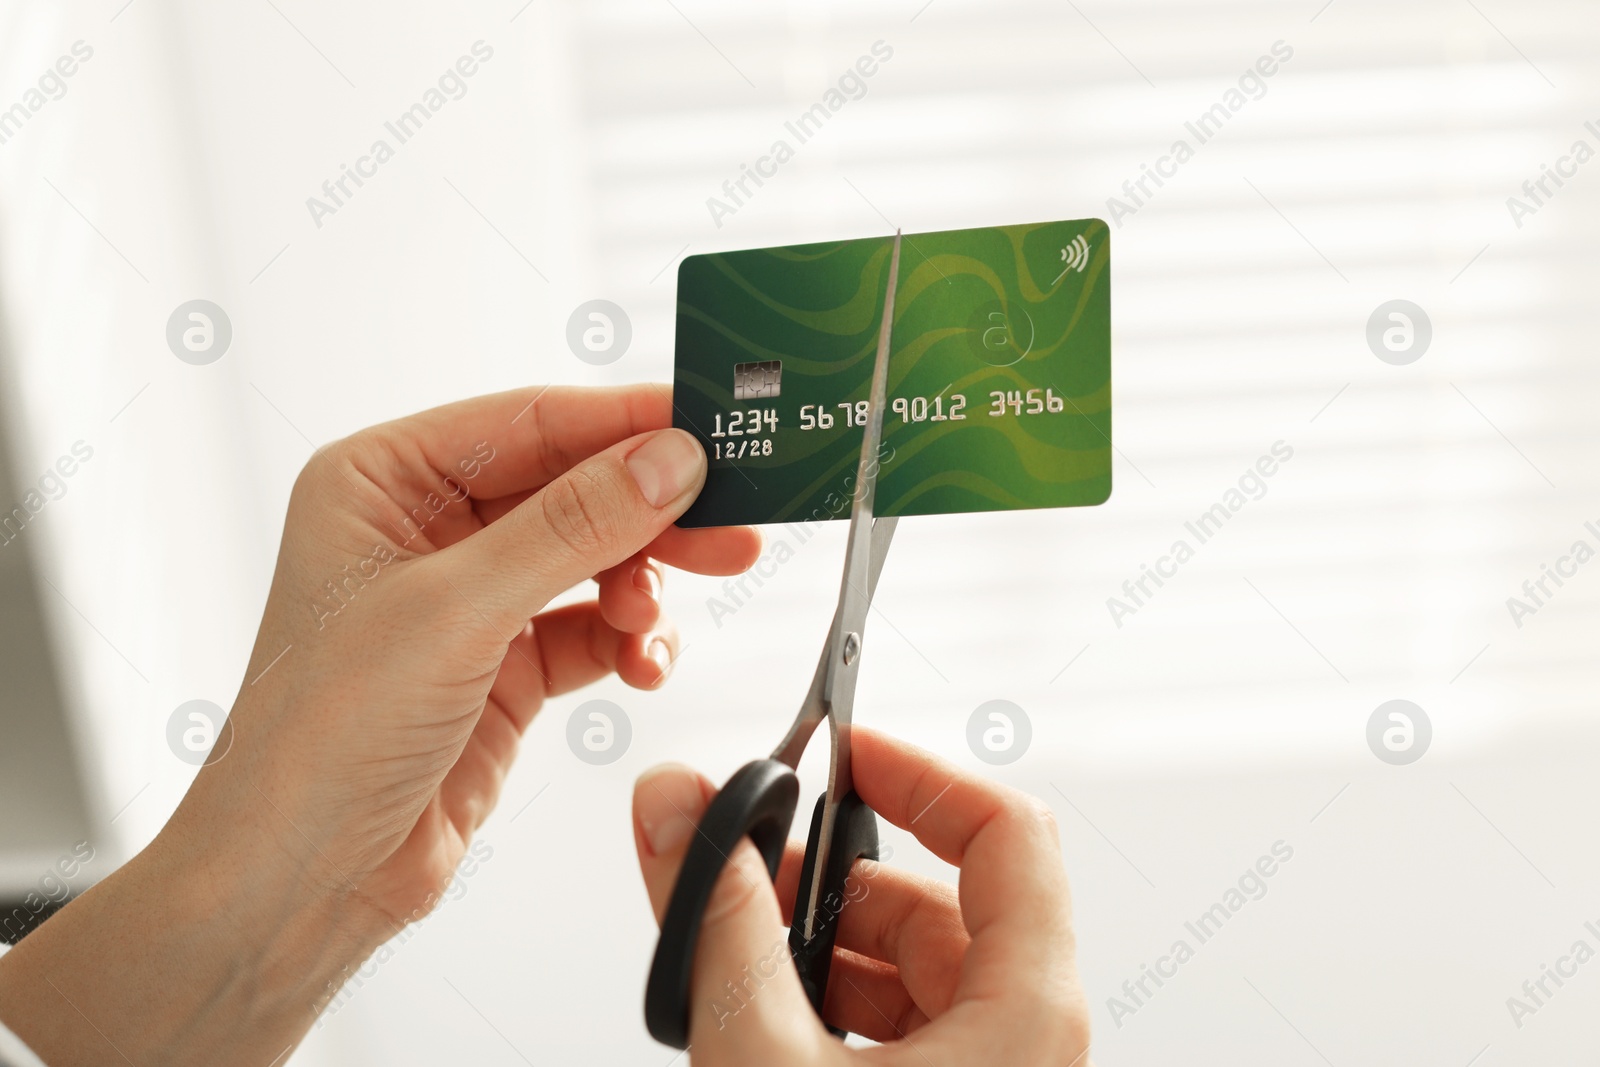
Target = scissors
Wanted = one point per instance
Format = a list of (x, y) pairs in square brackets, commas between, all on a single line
[(759, 800)]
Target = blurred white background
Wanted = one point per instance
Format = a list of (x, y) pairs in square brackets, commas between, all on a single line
[(1229, 713)]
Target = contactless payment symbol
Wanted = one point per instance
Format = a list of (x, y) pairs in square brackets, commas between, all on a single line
[(1075, 256)]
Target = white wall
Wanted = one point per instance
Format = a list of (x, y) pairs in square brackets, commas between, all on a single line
[(1223, 716)]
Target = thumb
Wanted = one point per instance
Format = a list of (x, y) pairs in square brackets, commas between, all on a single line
[(746, 1003), (591, 517)]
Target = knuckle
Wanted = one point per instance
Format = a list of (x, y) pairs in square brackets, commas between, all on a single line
[(576, 513), (336, 455), (1034, 821), (1043, 817)]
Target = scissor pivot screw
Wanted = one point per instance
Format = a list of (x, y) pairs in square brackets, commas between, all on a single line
[(852, 647)]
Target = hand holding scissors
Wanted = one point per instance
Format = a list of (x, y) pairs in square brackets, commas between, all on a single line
[(988, 977)]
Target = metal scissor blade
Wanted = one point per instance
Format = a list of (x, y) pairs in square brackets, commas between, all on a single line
[(813, 709), (854, 598), (842, 655)]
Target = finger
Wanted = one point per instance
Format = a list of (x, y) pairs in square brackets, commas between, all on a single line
[(581, 648), (590, 518), (1014, 897), (644, 661), (668, 802), (519, 440), (890, 914), (570, 647), (909, 923), (868, 997), (630, 594), (713, 550), (746, 1005), (710, 550)]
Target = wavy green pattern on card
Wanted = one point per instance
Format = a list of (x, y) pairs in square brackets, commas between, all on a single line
[(1024, 311)]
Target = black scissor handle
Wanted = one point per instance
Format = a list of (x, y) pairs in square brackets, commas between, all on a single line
[(855, 836), (758, 802)]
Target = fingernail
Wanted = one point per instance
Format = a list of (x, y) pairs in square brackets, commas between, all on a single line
[(666, 465), (660, 655), (669, 804), (647, 581)]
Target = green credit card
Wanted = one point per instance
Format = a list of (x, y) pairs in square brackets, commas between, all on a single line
[(999, 373)]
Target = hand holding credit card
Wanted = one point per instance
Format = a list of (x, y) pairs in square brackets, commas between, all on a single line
[(999, 387)]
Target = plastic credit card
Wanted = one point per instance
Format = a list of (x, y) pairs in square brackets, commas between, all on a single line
[(999, 373)]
